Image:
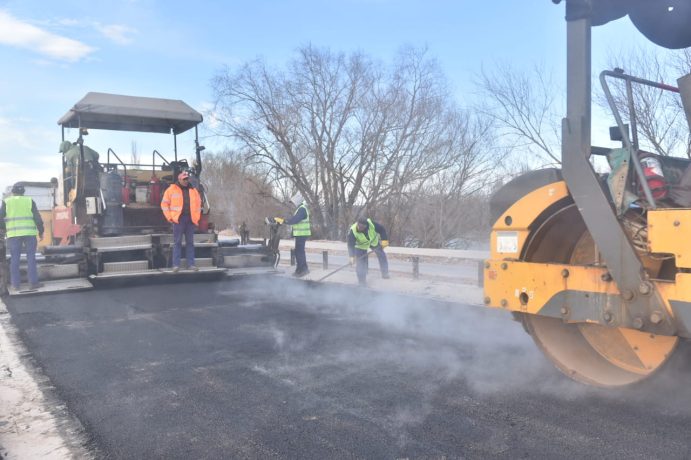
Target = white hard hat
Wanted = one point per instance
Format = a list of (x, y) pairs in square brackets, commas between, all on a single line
[(297, 199)]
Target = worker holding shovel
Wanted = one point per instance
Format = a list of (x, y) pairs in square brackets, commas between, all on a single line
[(365, 234)]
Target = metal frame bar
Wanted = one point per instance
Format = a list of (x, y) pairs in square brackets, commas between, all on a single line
[(631, 146), (631, 143), (641, 299)]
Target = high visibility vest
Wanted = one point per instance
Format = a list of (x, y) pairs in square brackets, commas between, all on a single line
[(302, 228), (365, 241), (19, 220), (172, 203)]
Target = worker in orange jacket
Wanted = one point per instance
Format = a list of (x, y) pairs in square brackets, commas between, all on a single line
[(182, 207)]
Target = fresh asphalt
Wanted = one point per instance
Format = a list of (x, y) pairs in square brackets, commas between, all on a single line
[(282, 369)]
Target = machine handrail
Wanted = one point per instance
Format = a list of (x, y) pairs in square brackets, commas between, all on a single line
[(631, 145), (124, 165), (153, 161)]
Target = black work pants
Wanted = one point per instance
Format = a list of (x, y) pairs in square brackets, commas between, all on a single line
[(300, 257), (362, 264)]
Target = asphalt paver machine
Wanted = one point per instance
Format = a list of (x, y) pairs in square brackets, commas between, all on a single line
[(108, 225), (598, 267)]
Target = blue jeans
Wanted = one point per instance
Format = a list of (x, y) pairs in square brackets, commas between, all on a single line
[(15, 244), (362, 263), (183, 227), (300, 256)]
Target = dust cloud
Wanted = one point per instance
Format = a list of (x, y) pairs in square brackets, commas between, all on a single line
[(443, 344)]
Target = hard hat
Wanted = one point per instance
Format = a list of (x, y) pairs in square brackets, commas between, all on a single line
[(17, 189), (297, 199), (183, 175)]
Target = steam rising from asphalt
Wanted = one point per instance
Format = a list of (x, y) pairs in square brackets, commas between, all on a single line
[(437, 345), (449, 343)]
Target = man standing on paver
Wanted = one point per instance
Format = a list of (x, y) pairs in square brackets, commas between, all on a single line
[(363, 235), (182, 207), (20, 219)]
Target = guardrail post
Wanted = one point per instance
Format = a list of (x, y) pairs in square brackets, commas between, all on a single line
[(416, 267), (481, 273), (325, 260), (292, 257)]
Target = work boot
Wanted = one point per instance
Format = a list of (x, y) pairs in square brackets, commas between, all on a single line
[(385, 276), (35, 286), (300, 274), (176, 269), (194, 268), (362, 284)]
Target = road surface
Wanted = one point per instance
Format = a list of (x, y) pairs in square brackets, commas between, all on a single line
[(284, 369)]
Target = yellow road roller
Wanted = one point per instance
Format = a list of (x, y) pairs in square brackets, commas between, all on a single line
[(597, 267)]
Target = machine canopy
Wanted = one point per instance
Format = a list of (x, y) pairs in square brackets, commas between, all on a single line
[(131, 113)]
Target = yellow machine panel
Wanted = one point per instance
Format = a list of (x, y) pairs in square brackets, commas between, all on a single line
[(669, 231), (527, 287), (511, 230)]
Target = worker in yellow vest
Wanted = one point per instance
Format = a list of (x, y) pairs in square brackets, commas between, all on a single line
[(365, 234), (22, 223), (301, 232)]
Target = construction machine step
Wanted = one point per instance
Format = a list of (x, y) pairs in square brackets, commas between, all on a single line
[(126, 267), (57, 271), (203, 272), (250, 271), (120, 243), (244, 260), (73, 284), (199, 262), (200, 239)]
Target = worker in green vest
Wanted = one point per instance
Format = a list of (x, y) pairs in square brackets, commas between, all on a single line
[(21, 222), (301, 231), (365, 234)]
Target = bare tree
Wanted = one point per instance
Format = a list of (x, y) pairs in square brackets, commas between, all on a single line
[(134, 154), (351, 135), (525, 109), (454, 203), (237, 194), (660, 119)]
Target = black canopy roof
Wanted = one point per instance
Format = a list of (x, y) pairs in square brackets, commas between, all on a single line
[(131, 113)]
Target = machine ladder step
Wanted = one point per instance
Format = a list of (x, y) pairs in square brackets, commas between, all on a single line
[(125, 267)]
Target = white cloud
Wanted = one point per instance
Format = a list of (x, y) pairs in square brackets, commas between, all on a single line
[(122, 35), (27, 151), (14, 135), (21, 34), (69, 22)]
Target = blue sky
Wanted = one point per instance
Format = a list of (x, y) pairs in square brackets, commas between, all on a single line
[(53, 53)]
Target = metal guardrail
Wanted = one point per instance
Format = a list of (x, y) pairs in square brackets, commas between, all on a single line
[(476, 256)]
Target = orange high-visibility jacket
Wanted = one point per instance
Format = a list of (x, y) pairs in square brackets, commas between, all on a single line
[(172, 204)]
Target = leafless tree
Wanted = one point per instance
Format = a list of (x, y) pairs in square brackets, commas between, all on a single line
[(661, 125), (237, 194), (525, 108), (440, 210), (350, 134), (134, 154)]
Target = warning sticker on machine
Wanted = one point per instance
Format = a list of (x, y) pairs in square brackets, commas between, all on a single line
[(507, 242)]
